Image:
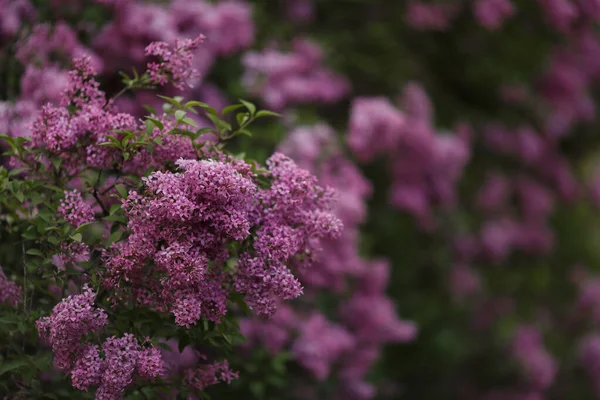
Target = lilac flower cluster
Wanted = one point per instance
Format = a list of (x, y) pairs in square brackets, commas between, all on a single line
[(71, 320), (435, 16), (175, 64), (491, 14), (228, 27), (184, 224), (297, 77), (113, 366), (75, 210), (539, 366), (124, 360), (367, 319), (426, 165), (14, 13), (10, 292), (209, 374)]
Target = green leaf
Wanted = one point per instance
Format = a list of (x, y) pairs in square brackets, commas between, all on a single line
[(55, 188), (219, 123), (80, 227), (174, 102), (179, 115), (156, 122), (122, 191), (77, 237), (114, 208), (57, 162), (114, 237), (202, 105), (190, 122), (251, 107), (12, 365), (150, 109), (34, 252), (242, 132), (149, 126), (231, 108), (267, 113), (202, 131)]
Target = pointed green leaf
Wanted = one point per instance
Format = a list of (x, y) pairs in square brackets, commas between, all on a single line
[(251, 107)]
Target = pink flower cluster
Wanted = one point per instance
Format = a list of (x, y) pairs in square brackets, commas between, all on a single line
[(491, 14), (10, 292), (185, 223), (347, 346), (228, 27), (426, 165), (175, 64), (538, 365), (124, 360), (113, 367), (209, 374), (71, 320), (14, 13), (296, 77), (434, 16), (75, 210)]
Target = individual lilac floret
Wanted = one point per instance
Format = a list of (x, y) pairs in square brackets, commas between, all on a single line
[(70, 320), (175, 62), (75, 210)]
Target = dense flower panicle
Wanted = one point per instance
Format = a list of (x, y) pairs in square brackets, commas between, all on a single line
[(175, 63), (10, 292), (560, 13), (46, 41), (75, 210), (70, 320), (464, 282), (184, 222), (14, 13), (339, 269), (373, 319), (87, 369), (320, 345), (494, 194), (375, 126), (296, 77), (228, 24), (300, 10), (209, 374), (537, 363), (296, 213), (426, 165), (43, 85), (83, 90), (121, 42), (430, 16), (588, 301), (115, 366), (537, 152), (491, 14)]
